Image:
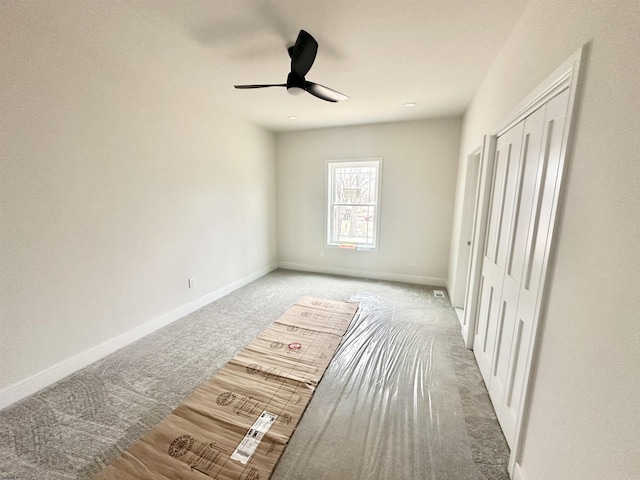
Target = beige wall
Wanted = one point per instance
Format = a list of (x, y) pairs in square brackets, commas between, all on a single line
[(418, 181), (584, 420), (119, 180)]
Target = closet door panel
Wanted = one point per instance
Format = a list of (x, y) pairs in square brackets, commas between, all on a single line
[(501, 207), (540, 223), (525, 184)]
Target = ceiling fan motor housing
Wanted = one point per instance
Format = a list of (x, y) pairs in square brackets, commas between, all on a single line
[(295, 84)]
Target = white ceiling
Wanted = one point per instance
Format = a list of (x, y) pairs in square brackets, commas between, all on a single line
[(381, 53)]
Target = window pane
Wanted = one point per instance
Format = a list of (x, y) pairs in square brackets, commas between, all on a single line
[(354, 185), (353, 224)]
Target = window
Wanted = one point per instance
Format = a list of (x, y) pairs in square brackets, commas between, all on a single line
[(353, 194)]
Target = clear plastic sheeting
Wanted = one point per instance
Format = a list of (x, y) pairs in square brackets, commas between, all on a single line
[(388, 406)]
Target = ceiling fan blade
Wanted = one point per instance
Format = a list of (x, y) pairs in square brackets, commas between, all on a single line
[(325, 93), (264, 85), (303, 53)]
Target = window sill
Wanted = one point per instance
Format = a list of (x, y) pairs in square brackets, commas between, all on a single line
[(359, 248)]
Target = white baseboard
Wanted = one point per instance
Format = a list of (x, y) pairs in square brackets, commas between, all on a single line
[(518, 474), (392, 277), (24, 388)]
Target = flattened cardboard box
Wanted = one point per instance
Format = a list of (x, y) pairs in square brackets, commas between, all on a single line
[(236, 425)]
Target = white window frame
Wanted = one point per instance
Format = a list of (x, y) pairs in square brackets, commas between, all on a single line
[(329, 185)]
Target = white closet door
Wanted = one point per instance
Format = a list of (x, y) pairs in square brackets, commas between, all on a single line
[(501, 207), (525, 186), (539, 223)]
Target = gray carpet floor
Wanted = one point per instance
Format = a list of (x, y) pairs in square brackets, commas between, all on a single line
[(403, 398)]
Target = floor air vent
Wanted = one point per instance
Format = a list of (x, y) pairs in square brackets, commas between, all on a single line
[(438, 293)]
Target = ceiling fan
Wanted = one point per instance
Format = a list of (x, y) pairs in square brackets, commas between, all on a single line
[(303, 54)]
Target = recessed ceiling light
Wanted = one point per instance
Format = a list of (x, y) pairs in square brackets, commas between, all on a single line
[(292, 117), (410, 104)]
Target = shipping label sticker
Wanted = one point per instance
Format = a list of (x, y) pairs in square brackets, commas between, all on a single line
[(252, 439)]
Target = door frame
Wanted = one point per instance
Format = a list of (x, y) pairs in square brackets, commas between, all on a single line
[(469, 199), (569, 75)]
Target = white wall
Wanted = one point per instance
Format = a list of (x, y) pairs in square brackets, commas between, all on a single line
[(418, 182), (584, 421), (119, 180)]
